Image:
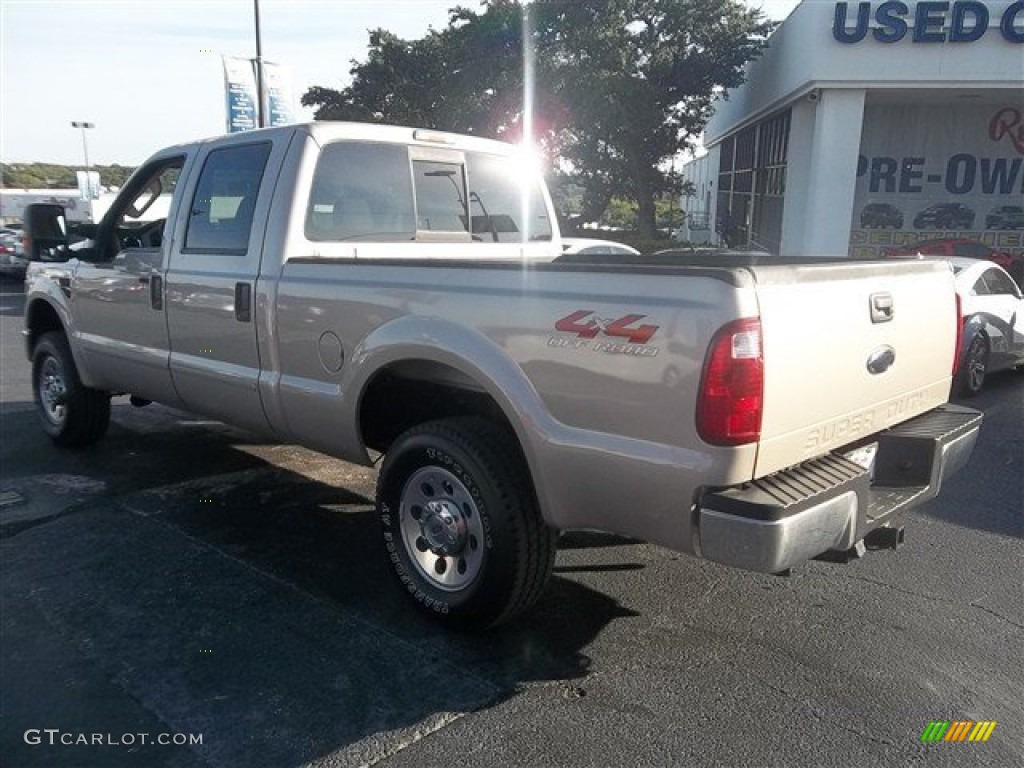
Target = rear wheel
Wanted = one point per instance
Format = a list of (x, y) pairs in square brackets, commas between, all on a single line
[(975, 366), (72, 414), (461, 524)]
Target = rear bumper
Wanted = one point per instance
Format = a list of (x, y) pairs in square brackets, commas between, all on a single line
[(831, 503)]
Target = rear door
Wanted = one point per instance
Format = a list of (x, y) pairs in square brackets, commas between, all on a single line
[(850, 349), (215, 360)]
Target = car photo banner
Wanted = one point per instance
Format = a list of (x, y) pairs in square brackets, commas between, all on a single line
[(929, 172), (279, 96), (240, 94)]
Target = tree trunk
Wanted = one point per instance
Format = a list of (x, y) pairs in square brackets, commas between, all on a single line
[(646, 222), (644, 195)]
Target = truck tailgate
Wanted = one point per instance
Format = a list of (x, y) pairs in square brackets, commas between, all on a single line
[(849, 350)]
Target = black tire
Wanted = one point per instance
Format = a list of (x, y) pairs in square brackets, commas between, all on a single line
[(974, 367), (461, 524), (72, 414)]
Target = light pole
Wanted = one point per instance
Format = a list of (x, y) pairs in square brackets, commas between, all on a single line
[(85, 151)]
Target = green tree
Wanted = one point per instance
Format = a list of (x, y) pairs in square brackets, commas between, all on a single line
[(668, 213), (465, 78), (50, 175), (620, 213), (622, 86)]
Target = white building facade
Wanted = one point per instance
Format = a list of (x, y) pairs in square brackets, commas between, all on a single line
[(868, 125)]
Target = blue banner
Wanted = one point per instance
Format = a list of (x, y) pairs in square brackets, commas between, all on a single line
[(240, 93)]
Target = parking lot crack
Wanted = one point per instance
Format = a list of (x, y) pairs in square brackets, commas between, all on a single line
[(839, 725), (14, 528), (442, 721), (998, 615), (935, 598)]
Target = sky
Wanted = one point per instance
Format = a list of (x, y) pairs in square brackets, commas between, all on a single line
[(148, 73)]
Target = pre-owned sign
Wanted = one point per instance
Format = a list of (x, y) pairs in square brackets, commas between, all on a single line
[(939, 172), (963, 21)]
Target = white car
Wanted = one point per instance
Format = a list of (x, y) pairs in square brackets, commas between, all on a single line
[(587, 246), (993, 316)]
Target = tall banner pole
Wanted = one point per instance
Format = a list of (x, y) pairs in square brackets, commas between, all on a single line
[(260, 117)]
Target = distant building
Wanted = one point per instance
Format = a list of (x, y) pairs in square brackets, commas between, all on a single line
[(869, 125)]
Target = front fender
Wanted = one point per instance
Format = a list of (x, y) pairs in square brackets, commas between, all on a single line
[(48, 308)]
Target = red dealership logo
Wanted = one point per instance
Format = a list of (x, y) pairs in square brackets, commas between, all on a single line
[(1009, 122)]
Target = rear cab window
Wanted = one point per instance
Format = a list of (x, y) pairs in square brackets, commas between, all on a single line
[(424, 202)]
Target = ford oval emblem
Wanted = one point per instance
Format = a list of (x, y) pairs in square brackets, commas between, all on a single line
[(881, 359)]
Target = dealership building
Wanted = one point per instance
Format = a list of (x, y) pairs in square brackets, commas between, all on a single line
[(869, 125)]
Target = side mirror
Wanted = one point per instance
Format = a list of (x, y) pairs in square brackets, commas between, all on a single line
[(46, 232)]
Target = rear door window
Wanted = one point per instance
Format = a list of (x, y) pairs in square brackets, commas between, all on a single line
[(225, 199)]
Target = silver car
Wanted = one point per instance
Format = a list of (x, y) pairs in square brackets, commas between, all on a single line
[(12, 255)]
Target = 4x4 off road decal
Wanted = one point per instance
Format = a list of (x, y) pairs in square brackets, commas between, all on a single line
[(585, 326)]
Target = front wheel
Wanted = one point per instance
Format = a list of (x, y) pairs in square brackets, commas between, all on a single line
[(72, 414), (975, 366), (461, 524)]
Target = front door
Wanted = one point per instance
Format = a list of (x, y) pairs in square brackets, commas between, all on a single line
[(118, 302)]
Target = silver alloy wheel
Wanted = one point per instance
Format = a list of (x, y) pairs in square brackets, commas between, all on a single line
[(441, 529), (53, 391), (976, 365)]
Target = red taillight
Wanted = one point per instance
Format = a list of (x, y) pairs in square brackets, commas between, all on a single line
[(959, 333), (731, 394)]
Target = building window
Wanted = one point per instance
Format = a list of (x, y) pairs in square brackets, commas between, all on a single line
[(751, 185)]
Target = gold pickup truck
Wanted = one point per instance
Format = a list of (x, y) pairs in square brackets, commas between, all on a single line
[(368, 290)]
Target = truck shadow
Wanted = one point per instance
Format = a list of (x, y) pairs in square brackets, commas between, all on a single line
[(991, 499), (239, 599)]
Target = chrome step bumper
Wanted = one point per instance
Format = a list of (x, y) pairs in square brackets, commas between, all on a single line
[(832, 503)]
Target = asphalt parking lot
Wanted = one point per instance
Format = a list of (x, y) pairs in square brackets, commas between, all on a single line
[(183, 579)]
